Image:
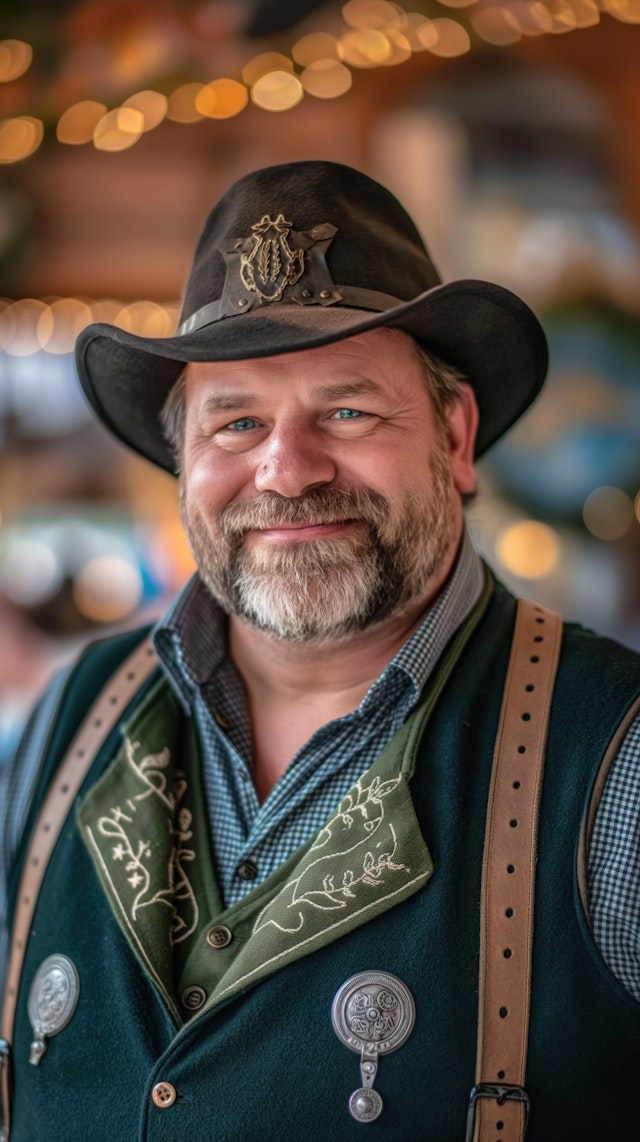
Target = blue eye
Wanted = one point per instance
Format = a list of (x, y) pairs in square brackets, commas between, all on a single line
[(348, 413), (243, 424)]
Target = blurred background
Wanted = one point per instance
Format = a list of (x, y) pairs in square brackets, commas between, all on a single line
[(510, 132)]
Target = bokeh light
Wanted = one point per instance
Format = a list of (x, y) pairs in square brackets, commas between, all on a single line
[(119, 129), (313, 47), (496, 25), (365, 48), (263, 64), (146, 319), (18, 326), (369, 13), (181, 104), (15, 58), (277, 91), (222, 98), (61, 323), (152, 105), (326, 79), (445, 37), (79, 121), (30, 572), (19, 138), (608, 513), (107, 589), (528, 549), (626, 10)]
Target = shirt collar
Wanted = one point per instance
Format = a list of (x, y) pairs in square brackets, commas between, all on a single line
[(418, 656), (191, 637)]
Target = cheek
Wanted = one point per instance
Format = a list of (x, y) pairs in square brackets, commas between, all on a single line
[(213, 481)]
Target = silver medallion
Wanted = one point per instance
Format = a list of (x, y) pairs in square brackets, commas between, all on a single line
[(52, 1001), (372, 1013)]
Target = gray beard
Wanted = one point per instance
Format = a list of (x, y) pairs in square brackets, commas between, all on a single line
[(328, 588)]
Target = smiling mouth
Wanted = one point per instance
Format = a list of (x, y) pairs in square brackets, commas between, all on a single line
[(296, 532)]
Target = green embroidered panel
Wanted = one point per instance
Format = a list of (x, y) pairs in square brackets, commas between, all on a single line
[(145, 826), (368, 857)]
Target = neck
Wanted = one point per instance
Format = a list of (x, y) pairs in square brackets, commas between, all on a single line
[(294, 688)]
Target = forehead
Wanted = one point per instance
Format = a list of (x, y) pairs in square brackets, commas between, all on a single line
[(386, 357)]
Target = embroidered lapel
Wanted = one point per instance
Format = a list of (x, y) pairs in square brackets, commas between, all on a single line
[(142, 823)]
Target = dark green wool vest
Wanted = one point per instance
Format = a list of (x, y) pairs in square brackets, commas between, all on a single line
[(266, 1063)]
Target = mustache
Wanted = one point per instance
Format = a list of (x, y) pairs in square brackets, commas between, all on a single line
[(318, 506)]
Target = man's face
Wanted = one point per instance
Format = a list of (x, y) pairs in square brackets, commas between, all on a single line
[(320, 489)]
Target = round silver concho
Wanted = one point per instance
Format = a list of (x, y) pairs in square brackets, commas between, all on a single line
[(373, 1010), (52, 1001), (373, 1014)]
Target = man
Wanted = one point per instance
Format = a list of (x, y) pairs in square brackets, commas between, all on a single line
[(265, 913)]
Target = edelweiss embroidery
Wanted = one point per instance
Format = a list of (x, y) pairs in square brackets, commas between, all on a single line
[(361, 843), (153, 882)]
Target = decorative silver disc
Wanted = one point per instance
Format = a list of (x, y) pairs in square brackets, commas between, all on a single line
[(373, 1011), (365, 1105), (52, 1001)]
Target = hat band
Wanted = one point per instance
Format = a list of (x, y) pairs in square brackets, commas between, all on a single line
[(351, 296)]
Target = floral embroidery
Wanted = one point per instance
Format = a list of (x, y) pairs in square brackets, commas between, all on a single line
[(361, 844), (165, 881)]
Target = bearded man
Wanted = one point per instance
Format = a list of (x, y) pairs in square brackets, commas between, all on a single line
[(345, 844)]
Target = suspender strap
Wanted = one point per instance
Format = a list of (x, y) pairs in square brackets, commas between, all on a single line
[(499, 1103), (93, 732)]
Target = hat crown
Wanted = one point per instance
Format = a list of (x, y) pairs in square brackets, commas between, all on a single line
[(374, 244)]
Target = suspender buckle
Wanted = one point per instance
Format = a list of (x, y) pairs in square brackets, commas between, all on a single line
[(501, 1092)]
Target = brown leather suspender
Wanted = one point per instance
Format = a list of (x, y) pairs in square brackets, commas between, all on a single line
[(499, 1103)]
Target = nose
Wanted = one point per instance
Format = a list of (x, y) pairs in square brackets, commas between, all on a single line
[(294, 459)]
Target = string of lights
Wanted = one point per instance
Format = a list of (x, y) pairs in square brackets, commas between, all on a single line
[(320, 64)]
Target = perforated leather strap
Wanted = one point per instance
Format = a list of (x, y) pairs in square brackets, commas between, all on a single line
[(84, 747), (499, 1103)]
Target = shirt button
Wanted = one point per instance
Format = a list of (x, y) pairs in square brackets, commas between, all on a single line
[(247, 870), (219, 936), (164, 1095), (193, 997), (221, 720)]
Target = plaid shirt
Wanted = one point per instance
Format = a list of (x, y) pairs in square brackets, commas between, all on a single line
[(250, 839)]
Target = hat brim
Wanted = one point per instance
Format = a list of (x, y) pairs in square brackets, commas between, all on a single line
[(483, 329)]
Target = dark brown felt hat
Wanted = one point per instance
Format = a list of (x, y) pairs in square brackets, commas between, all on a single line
[(297, 256)]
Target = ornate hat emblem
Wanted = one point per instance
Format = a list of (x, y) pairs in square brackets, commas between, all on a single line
[(372, 1013), (272, 265)]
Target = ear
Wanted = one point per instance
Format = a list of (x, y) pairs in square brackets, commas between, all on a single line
[(462, 420)]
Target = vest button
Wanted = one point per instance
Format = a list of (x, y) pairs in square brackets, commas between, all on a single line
[(219, 936), (193, 997), (247, 870), (164, 1095)]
